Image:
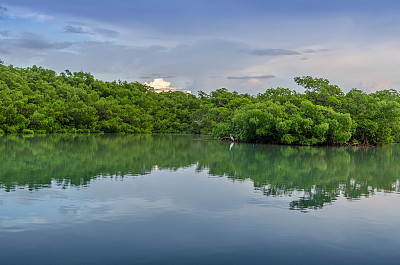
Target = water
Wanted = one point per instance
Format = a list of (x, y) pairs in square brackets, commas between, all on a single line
[(182, 199)]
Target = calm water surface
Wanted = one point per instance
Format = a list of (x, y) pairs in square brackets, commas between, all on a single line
[(181, 199)]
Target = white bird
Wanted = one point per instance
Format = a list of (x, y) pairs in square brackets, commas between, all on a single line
[(233, 139)]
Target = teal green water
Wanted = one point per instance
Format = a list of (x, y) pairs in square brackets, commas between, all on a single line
[(184, 199)]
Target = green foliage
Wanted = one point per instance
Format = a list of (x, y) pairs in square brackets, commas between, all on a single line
[(38, 100), (323, 115), (319, 91), (307, 124)]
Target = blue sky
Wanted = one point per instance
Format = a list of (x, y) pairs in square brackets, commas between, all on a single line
[(247, 46)]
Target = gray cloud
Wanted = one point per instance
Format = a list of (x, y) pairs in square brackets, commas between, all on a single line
[(31, 41), (315, 51), (2, 11), (190, 64), (4, 33), (75, 30), (195, 61), (152, 76), (163, 76), (251, 77), (107, 32), (272, 52)]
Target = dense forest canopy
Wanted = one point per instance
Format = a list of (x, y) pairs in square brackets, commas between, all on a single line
[(37, 100)]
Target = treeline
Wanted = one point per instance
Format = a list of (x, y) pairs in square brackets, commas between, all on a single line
[(322, 115), (37, 100)]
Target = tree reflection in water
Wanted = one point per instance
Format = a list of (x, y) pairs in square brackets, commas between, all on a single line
[(322, 174)]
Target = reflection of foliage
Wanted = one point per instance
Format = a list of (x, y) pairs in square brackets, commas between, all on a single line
[(320, 173), (76, 159), (314, 200)]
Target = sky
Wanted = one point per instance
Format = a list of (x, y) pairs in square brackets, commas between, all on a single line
[(242, 45)]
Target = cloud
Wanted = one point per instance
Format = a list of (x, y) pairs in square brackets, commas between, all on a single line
[(3, 10), (162, 76), (25, 13), (30, 41), (159, 83), (272, 52), (157, 76), (109, 33), (315, 50), (373, 85), (238, 43), (190, 64), (251, 77), (207, 64), (4, 33), (33, 41), (74, 29)]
